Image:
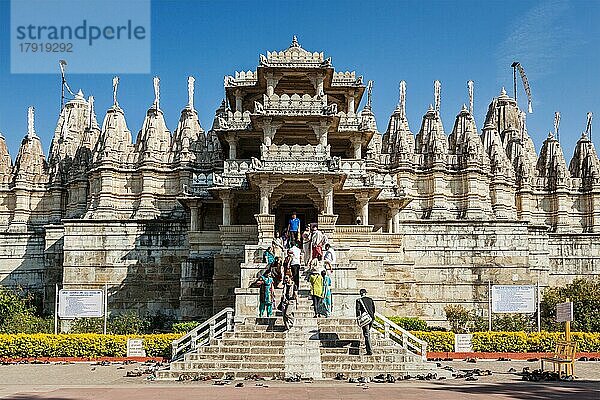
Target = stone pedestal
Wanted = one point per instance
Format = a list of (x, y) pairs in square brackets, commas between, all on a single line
[(327, 223), (266, 228)]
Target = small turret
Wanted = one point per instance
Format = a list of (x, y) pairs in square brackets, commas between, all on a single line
[(398, 140), (114, 141), (188, 142), (551, 165), (465, 142), (30, 164), (68, 135), (5, 162), (585, 164), (154, 139)]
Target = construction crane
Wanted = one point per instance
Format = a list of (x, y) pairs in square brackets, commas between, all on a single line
[(517, 66)]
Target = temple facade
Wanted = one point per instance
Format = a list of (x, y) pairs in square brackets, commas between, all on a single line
[(175, 222)]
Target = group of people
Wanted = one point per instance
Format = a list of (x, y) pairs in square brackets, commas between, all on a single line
[(288, 253)]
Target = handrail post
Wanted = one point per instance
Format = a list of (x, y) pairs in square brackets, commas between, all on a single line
[(229, 321), (386, 330), (211, 330), (404, 341), (424, 351)]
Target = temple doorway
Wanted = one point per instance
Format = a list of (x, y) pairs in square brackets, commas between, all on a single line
[(306, 213), (300, 197)]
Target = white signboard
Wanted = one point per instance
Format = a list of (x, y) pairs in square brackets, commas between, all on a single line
[(135, 348), (80, 303), (463, 343), (513, 299), (564, 312)]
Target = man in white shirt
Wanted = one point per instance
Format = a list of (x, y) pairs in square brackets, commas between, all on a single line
[(329, 258), (295, 252)]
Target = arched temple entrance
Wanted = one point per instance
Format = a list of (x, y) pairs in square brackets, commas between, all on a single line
[(298, 196)]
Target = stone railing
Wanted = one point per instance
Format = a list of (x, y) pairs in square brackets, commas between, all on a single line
[(349, 122), (243, 78), (202, 179), (294, 105), (236, 167), (234, 121), (248, 230), (355, 167), (212, 328), (285, 152), (346, 79), (384, 180), (353, 229), (294, 57)]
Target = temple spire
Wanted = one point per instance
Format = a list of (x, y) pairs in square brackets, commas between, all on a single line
[(30, 122), (369, 94), (556, 124), (156, 82), (588, 126), (115, 88), (402, 99), (470, 87), (437, 93), (191, 81)]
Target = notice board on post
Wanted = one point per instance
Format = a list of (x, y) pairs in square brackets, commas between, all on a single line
[(518, 299), (564, 312), (80, 303)]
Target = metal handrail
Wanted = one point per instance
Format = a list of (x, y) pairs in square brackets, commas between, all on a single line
[(406, 339), (212, 328)]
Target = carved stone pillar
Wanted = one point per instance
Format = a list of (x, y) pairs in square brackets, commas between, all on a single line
[(266, 228), (395, 217), (226, 198), (272, 81), (350, 102), (264, 201), (328, 199), (232, 141), (269, 130), (362, 200), (320, 130), (357, 147), (319, 87), (238, 100), (193, 218)]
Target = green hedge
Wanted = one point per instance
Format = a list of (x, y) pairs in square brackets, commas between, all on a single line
[(80, 345), (93, 345), (516, 342), (184, 327)]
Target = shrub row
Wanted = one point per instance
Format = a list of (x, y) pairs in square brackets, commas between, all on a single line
[(515, 342), (94, 345), (90, 345)]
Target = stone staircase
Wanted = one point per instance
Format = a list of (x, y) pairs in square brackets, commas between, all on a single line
[(317, 348)]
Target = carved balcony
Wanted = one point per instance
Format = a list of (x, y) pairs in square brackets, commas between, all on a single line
[(241, 79), (346, 79), (295, 105), (233, 121)]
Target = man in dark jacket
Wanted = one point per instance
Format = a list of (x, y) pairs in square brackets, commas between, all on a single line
[(369, 307)]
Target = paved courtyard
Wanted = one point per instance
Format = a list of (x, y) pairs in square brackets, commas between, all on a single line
[(87, 381)]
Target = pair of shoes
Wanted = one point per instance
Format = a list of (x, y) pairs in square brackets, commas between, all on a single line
[(369, 354)]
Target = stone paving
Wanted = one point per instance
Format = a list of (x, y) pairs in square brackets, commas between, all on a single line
[(84, 381)]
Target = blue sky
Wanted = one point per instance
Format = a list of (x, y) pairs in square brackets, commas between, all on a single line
[(557, 42)]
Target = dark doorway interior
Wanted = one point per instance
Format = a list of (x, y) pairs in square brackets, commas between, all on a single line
[(304, 210)]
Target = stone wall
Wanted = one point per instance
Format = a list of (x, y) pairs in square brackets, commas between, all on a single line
[(22, 261), (139, 260)]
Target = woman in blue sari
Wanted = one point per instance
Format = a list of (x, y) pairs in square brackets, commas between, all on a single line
[(326, 302), (267, 294)]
